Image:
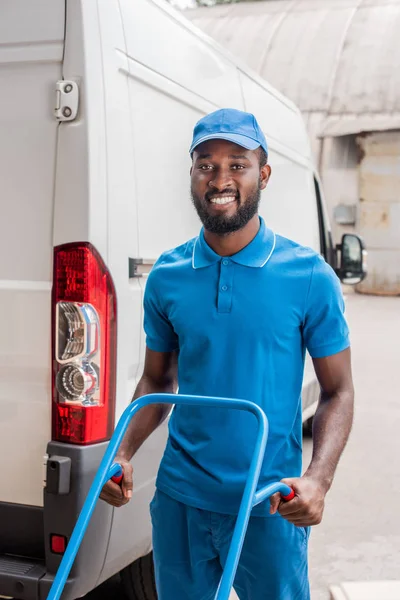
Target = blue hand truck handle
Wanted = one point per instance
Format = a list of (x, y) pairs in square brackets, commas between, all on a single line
[(108, 470)]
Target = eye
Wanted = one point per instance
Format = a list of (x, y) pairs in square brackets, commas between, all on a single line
[(205, 167), (238, 167)]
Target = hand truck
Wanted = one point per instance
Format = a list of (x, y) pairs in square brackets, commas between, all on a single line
[(110, 470)]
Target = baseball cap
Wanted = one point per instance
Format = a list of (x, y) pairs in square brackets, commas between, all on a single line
[(231, 125)]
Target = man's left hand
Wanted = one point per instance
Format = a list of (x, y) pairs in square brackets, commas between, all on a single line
[(307, 506)]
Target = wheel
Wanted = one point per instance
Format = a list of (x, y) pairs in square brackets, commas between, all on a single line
[(138, 579), (307, 427)]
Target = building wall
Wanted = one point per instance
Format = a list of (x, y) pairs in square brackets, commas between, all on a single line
[(379, 210), (361, 178), (339, 173)]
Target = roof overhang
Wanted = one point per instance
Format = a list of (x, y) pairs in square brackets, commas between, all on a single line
[(351, 124)]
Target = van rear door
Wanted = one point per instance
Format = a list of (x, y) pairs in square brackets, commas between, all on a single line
[(31, 52)]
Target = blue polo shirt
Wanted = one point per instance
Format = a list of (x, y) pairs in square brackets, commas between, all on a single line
[(242, 325)]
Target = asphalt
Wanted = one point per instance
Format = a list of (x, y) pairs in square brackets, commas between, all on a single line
[(359, 538)]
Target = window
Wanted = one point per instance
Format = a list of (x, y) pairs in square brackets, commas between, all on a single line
[(325, 234)]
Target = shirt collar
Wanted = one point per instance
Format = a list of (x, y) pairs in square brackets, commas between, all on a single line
[(255, 254)]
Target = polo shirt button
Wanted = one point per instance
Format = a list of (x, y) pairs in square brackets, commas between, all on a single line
[(224, 288), (225, 262)]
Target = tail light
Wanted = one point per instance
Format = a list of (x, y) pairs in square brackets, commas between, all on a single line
[(84, 346)]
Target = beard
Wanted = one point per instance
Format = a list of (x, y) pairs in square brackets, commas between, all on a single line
[(223, 224)]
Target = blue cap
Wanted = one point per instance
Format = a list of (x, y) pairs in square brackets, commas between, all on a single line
[(232, 125)]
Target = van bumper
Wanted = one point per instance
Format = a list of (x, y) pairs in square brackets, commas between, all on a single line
[(27, 579), (26, 531)]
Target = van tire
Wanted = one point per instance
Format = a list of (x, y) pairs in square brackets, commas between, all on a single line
[(138, 579)]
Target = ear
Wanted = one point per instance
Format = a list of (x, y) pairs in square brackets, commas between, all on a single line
[(265, 174), (192, 158)]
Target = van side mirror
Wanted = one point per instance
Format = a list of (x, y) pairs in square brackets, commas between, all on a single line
[(353, 259)]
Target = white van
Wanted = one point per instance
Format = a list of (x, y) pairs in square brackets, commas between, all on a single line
[(97, 105)]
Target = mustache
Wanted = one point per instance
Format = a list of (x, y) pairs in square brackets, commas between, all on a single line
[(226, 192)]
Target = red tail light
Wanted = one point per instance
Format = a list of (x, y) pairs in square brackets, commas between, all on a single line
[(84, 346)]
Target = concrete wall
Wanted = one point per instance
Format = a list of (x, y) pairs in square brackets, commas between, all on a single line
[(379, 210), (361, 176), (339, 173)]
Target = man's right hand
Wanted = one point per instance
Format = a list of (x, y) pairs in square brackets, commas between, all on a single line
[(118, 494)]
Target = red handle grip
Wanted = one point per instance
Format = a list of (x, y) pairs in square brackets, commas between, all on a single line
[(118, 477), (289, 496)]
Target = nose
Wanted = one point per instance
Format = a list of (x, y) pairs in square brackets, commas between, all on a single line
[(221, 180)]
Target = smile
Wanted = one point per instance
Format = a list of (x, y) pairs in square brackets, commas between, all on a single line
[(222, 199)]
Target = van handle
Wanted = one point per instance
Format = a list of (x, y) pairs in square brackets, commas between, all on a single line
[(138, 267)]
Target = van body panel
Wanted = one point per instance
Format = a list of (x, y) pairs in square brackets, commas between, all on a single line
[(30, 64), (289, 200), (211, 75), (168, 95), (131, 532), (81, 178)]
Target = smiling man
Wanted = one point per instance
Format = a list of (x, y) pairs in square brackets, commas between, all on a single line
[(230, 314)]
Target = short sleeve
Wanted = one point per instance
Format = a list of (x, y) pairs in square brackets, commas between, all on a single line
[(325, 330), (160, 335)]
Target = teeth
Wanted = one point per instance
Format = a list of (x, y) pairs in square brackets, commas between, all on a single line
[(224, 200)]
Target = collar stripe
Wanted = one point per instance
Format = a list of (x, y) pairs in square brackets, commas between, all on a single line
[(194, 250), (270, 254)]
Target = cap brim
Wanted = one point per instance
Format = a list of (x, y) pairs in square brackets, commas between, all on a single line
[(236, 138)]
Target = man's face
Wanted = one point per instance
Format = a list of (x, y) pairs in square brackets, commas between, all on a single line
[(226, 183)]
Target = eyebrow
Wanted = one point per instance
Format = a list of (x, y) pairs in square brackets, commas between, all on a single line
[(234, 156)]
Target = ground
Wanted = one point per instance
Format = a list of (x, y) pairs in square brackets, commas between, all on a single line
[(359, 538)]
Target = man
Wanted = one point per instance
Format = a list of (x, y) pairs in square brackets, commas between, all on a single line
[(230, 314)]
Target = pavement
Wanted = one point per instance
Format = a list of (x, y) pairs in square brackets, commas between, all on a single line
[(359, 538)]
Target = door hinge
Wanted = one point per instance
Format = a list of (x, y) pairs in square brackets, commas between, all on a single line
[(140, 266), (67, 100)]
